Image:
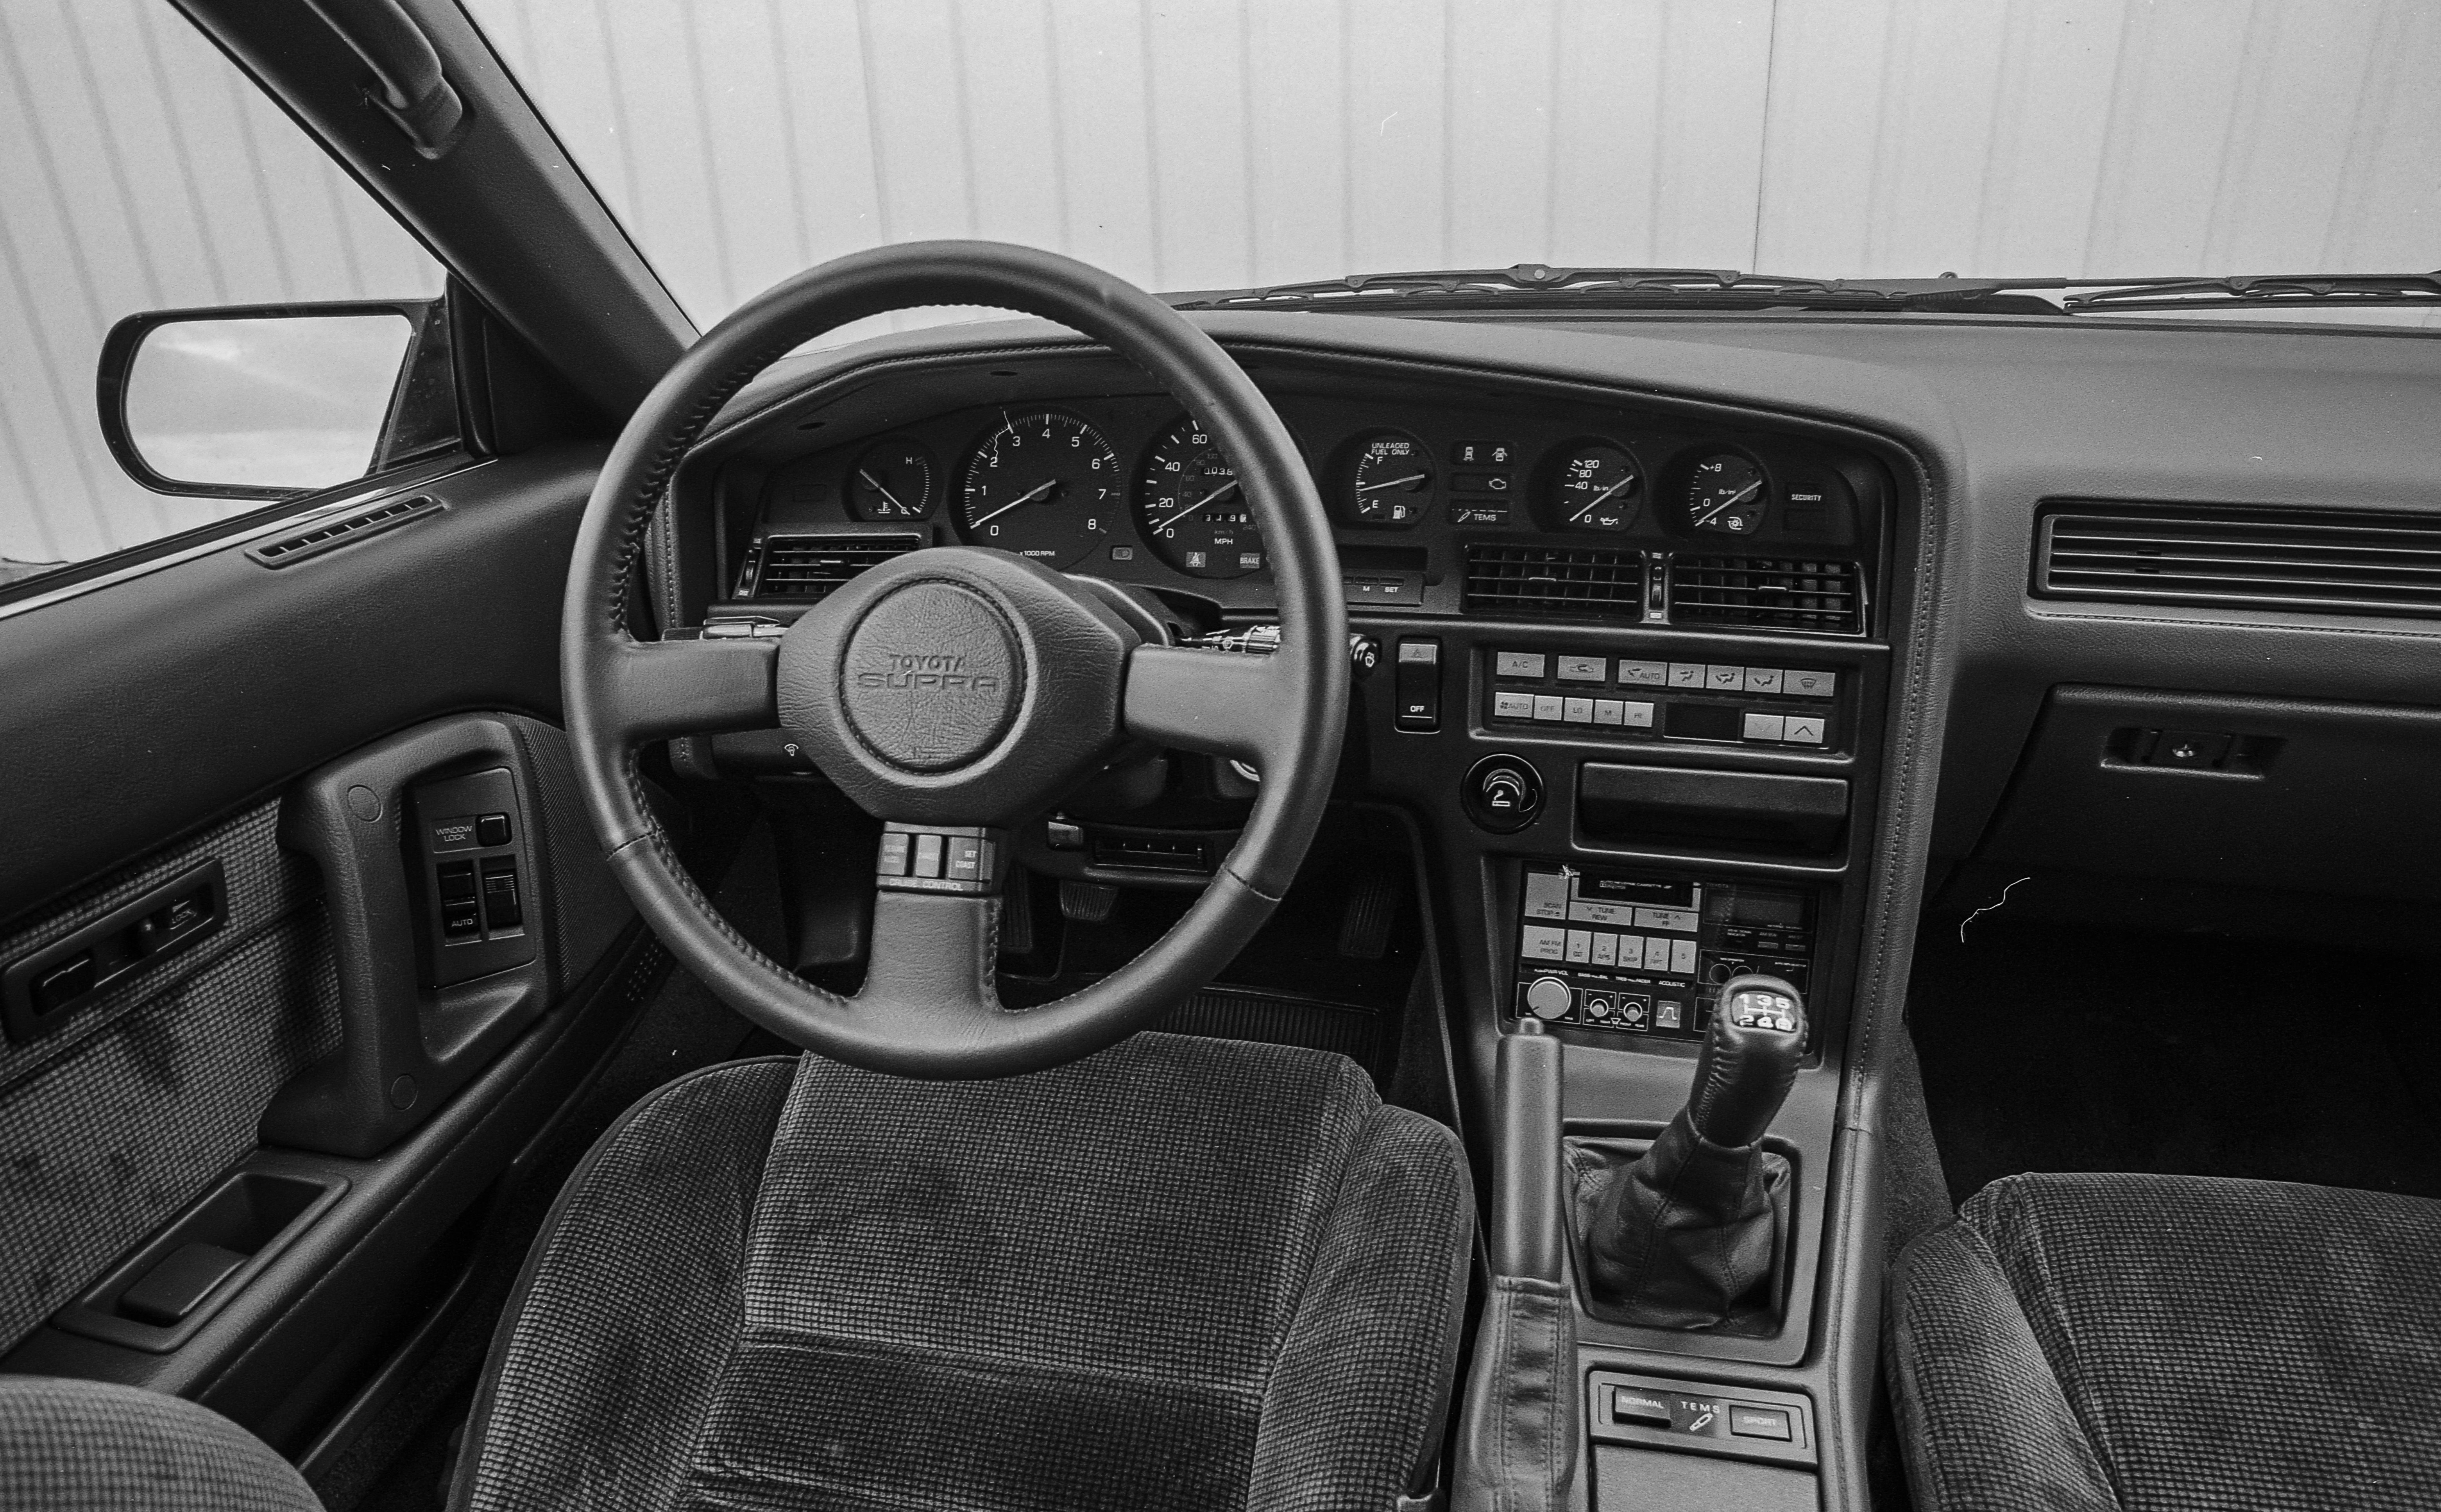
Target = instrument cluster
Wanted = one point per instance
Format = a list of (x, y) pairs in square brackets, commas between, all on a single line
[(1098, 484)]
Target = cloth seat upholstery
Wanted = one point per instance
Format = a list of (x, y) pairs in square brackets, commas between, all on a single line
[(1180, 1273), (2149, 1343)]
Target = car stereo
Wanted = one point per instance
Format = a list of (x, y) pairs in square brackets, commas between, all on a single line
[(1642, 953)]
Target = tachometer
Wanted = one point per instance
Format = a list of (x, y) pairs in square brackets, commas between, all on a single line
[(1044, 485), (1594, 486), (1728, 494), (1192, 510)]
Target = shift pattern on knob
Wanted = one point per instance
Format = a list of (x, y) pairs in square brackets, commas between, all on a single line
[(1748, 1061)]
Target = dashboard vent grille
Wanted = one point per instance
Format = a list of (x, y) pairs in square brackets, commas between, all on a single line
[(338, 534), (808, 567), (1567, 582), (1770, 593), (2339, 563)]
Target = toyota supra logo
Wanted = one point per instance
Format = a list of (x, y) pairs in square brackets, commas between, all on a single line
[(921, 674)]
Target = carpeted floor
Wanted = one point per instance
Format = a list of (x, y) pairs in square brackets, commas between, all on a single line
[(2053, 1048)]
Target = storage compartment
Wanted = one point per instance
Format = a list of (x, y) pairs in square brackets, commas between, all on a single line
[(2271, 793), (1746, 811), (158, 1297)]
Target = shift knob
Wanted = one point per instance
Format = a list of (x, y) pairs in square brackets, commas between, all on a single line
[(1748, 1061)]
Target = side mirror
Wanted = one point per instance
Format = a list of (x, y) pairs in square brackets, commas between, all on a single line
[(269, 401)]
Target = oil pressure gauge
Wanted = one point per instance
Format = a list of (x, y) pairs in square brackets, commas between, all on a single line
[(1593, 486)]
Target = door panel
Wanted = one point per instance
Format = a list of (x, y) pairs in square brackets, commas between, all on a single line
[(139, 1099)]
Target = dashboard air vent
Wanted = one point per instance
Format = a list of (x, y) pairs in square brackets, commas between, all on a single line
[(2343, 562), (808, 567), (321, 538), (1566, 582), (1768, 593)]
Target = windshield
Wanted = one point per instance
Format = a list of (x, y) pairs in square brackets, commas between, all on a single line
[(1202, 145)]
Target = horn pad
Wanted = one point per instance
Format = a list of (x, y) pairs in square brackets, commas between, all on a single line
[(933, 677)]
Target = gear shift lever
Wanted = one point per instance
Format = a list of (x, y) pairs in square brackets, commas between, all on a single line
[(1681, 1236)]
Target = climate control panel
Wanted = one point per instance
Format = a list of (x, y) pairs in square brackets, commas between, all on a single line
[(1627, 697), (1640, 953)]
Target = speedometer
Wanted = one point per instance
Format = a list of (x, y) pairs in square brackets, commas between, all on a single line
[(1193, 511), (1044, 485)]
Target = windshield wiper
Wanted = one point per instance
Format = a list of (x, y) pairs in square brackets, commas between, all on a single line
[(1708, 288), (2261, 289), (1536, 284)]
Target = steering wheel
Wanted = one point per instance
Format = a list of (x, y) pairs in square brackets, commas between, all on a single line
[(956, 691)]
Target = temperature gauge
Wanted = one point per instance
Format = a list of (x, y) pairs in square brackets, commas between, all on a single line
[(1391, 480), (1727, 496), (891, 481)]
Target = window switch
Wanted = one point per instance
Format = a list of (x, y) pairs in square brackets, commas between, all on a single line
[(457, 880), (460, 922), (64, 983), (501, 908), (492, 829)]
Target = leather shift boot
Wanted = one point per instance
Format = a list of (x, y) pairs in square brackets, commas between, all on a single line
[(1687, 1235)]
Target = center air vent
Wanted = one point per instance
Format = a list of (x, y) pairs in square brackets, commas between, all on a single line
[(1562, 582), (1770, 593), (2342, 562), (806, 568)]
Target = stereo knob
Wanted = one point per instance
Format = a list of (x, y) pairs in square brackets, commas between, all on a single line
[(1548, 997)]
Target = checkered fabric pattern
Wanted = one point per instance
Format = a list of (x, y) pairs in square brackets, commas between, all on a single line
[(1182, 1273), (2149, 1343)]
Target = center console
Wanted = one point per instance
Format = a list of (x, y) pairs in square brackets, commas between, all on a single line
[(1634, 953)]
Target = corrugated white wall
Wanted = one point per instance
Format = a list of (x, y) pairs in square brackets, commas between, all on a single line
[(1210, 143), (140, 171)]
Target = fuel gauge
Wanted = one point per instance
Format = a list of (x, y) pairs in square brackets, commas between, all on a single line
[(1389, 481)]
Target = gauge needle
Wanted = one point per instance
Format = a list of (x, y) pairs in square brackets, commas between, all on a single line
[(1200, 503), (1740, 496), (1410, 478), (884, 492), (1588, 509), (1029, 496)]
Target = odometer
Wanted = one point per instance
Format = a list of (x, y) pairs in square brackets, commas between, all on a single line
[(1191, 508), (1044, 485)]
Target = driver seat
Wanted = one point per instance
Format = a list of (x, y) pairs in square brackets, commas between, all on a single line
[(1178, 1273)]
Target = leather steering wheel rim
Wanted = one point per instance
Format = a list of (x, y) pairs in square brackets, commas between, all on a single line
[(1068, 666)]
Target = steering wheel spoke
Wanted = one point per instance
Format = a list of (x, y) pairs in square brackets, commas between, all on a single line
[(663, 688), (1219, 702)]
